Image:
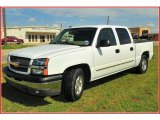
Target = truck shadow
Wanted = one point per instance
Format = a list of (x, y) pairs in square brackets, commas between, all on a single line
[(14, 95), (109, 78), (98, 82)]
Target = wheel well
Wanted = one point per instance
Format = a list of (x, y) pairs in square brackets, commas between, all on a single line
[(146, 53), (84, 67)]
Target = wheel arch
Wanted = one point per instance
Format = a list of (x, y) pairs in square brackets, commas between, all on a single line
[(86, 69), (146, 53)]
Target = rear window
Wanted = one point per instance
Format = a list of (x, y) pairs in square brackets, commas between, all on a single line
[(123, 36)]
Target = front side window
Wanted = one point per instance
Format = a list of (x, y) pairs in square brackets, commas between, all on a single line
[(123, 36), (75, 36), (107, 34)]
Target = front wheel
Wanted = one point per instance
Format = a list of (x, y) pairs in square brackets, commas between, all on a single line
[(73, 84), (143, 66)]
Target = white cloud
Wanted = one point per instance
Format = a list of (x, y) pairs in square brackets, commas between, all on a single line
[(31, 19), (154, 29), (14, 11), (60, 22), (56, 25), (100, 12), (150, 24), (145, 12), (79, 12), (82, 20)]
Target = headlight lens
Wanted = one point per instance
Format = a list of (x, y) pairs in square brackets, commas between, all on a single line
[(40, 66), (39, 62)]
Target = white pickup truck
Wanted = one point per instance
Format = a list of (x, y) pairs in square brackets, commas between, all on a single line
[(76, 56)]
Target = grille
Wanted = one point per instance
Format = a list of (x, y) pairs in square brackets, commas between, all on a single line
[(23, 63), (22, 69)]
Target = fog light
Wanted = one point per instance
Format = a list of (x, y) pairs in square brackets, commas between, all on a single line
[(37, 71), (37, 92)]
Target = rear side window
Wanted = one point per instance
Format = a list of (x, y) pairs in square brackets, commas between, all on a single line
[(107, 34), (123, 36)]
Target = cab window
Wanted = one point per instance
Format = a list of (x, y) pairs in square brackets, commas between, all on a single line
[(107, 34), (123, 36)]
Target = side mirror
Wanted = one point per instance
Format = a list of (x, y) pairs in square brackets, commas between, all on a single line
[(103, 43)]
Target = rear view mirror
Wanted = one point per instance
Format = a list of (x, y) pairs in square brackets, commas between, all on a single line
[(103, 43)]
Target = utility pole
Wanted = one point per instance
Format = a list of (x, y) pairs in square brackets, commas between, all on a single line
[(108, 20), (4, 25), (61, 27)]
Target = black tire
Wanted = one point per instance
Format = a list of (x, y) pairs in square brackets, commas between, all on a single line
[(143, 66), (69, 84), (20, 42), (3, 42)]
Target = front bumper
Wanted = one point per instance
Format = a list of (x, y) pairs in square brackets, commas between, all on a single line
[(36, 85)]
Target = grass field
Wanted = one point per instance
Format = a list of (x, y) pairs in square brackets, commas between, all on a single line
[(15, 46), (123, 92)]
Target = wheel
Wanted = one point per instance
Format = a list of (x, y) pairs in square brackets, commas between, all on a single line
[(142, 68), (73, 84), (3, 42), (20, 42)]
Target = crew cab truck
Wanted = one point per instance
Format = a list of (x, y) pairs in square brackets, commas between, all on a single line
[(67, 63)]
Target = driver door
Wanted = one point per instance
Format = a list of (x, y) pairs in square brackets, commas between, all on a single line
[(106, 58)]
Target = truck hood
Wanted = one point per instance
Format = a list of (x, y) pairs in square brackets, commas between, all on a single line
[(45, 51)]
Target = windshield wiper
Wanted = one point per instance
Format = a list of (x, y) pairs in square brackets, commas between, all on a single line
[(65, 43)]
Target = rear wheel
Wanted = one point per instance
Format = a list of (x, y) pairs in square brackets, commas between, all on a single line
[(20, 42), (3, 42), (73, 84), (143, 66)]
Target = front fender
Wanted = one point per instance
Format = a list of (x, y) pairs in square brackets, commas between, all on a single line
[(59, 64)]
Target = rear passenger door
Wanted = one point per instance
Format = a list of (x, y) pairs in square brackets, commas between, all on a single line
[(127, 48)]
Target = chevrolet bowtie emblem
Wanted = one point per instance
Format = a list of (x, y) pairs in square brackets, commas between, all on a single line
[(15, 64)]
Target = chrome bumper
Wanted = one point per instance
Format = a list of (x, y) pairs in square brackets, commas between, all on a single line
[(40, 89)]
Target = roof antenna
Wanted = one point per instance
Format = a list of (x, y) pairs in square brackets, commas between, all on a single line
[(108, 20)]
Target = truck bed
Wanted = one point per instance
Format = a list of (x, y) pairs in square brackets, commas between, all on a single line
[(141, 40), (142, 45)]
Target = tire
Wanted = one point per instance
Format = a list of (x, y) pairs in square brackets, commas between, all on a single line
[(3, 42), (143, 66), (20, 42), (73, 84)]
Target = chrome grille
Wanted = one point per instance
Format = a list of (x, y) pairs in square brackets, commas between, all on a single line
[(22, 62), (22, 69)]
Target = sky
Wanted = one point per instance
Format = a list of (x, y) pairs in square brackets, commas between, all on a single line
[(52, 17)]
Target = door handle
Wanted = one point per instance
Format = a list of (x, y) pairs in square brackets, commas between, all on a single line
[(131, 48), (117, 51)]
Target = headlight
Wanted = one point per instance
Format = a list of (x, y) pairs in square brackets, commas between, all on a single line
[(40, 66), (39, 62)]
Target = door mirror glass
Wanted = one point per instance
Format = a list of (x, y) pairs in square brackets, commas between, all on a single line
[(103, 43)]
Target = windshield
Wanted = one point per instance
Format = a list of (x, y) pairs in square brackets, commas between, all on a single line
[(75, 36)]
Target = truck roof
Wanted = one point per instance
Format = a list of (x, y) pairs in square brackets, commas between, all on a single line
[(99, 26)]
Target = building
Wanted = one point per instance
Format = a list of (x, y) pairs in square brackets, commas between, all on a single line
[(33, 34), (140, 30)]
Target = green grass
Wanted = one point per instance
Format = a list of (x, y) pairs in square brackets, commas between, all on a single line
[(123, 92), (15, 46)]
